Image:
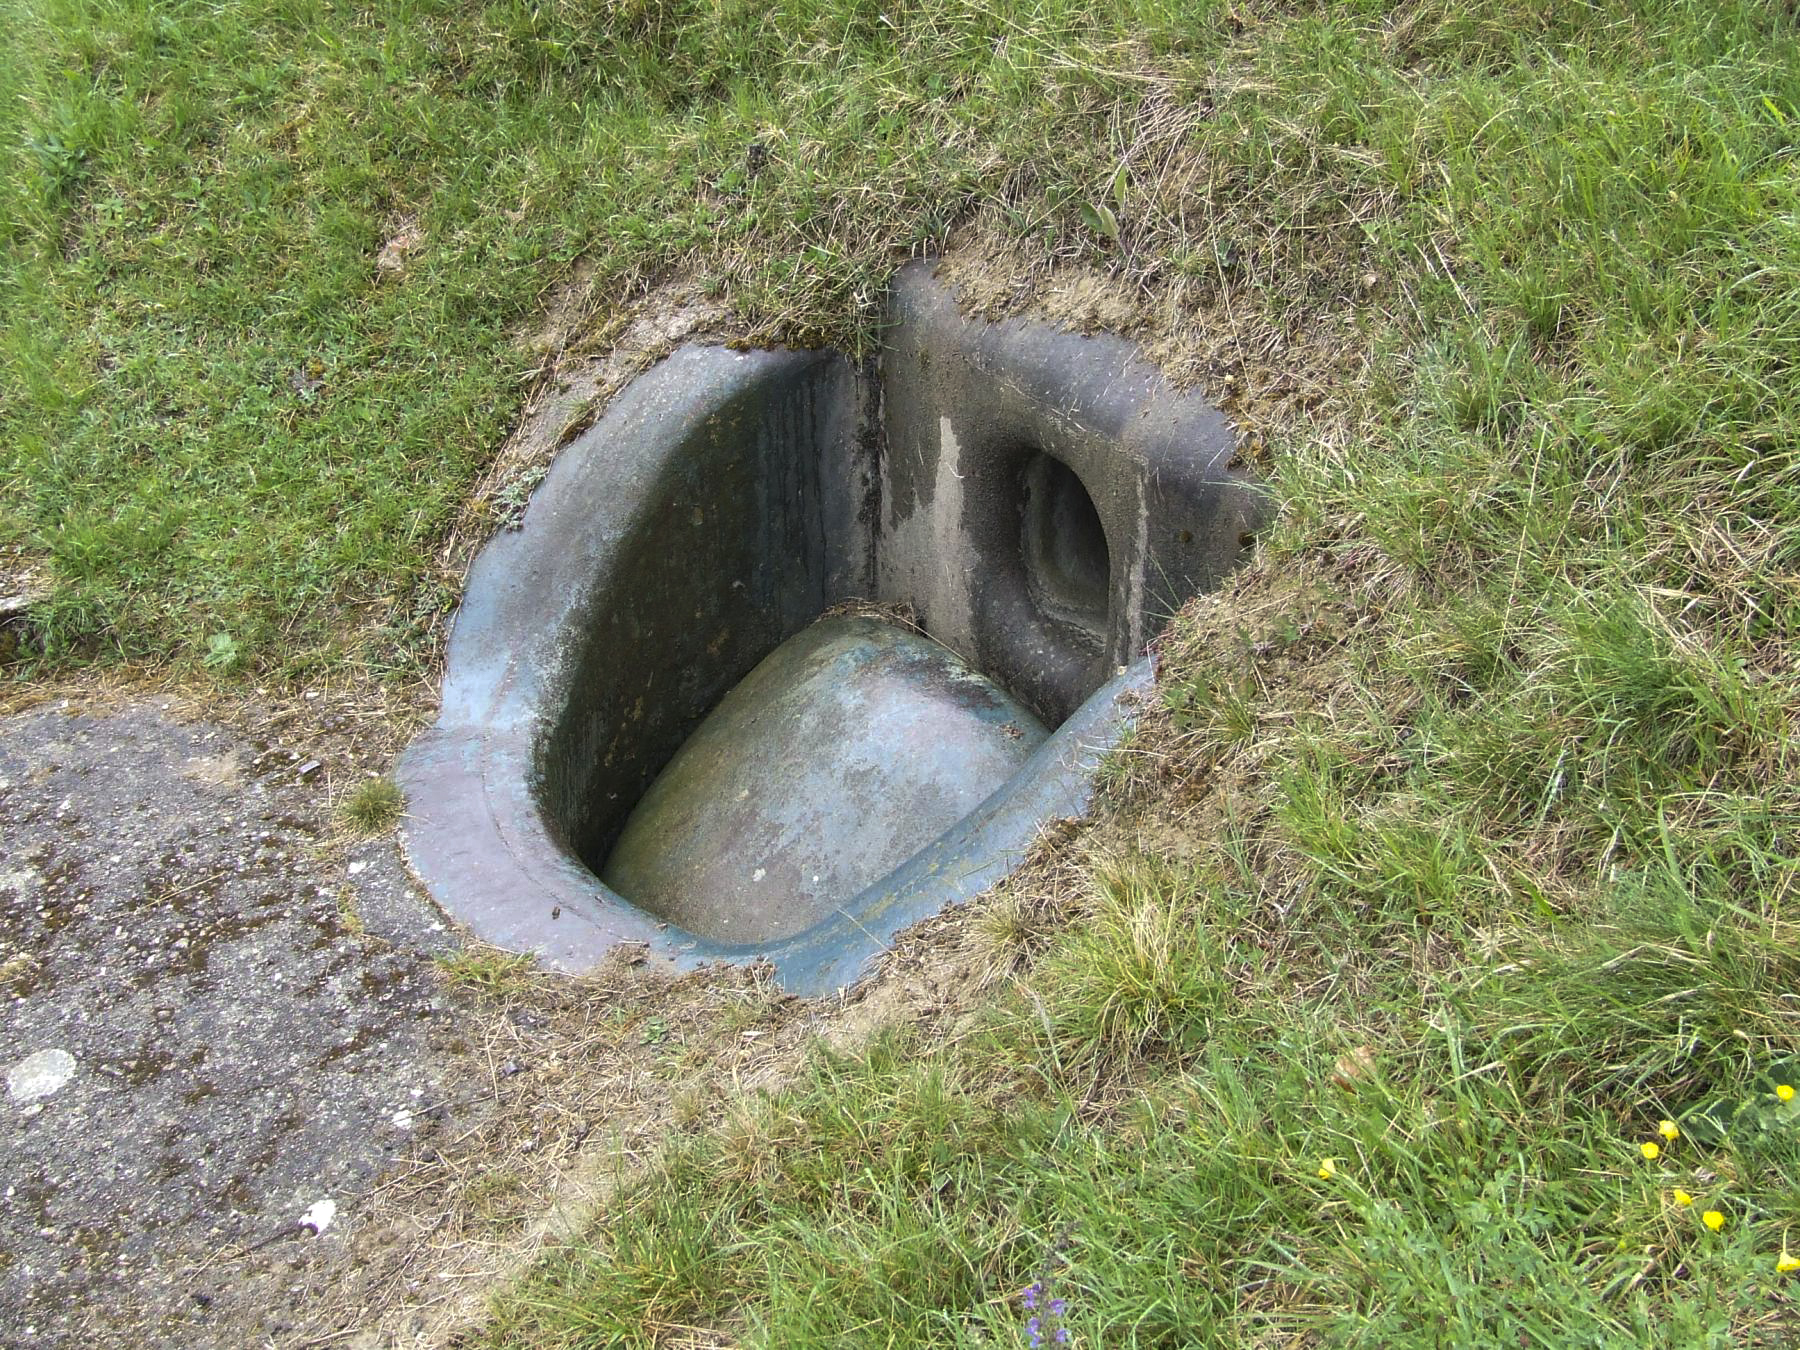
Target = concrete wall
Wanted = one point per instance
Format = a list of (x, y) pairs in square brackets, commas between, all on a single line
[(709, 548), (970, 411)]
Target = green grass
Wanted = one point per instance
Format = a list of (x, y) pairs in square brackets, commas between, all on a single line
[(219, 419), (373, 806), (1146, 1129), (1482, 777), (486, 970), (1497, 736)]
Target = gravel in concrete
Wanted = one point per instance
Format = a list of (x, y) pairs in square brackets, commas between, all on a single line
[(216, 1032)]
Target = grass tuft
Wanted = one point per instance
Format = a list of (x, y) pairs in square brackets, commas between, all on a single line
[(1143, 972), (487, 971), (373, 806)]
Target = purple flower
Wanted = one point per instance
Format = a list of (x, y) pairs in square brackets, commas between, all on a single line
[(1030, 1297), (1057, 1305), (1032, 1328), (1062, 1335)]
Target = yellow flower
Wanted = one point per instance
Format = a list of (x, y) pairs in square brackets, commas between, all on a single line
[(1682, 1198), (1785, 1091), (1786, 1264), (1327, 1168), (1650, 1149), (1669, 1130), (1713, 1219)]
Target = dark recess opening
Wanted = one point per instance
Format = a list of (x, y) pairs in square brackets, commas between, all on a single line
[(1066, 560)]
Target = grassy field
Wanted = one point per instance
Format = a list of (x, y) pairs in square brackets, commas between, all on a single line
[(236, 442), (1431, 977)]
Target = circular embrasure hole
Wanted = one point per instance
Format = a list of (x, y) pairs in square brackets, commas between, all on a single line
[(1066, 560)]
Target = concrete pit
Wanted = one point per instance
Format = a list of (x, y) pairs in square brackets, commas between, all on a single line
[(643, 711)]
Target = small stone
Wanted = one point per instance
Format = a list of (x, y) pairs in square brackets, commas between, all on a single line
[(12, 606), (39, 1075), (1353, 1068), (307, 770), (319, 1217)]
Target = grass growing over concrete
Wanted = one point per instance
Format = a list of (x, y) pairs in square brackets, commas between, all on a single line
[(1459, 854)]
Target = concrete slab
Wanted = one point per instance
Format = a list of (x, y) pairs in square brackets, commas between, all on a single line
[(203, 1040)]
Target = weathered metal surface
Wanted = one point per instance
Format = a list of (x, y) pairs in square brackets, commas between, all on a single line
[(852, 746), (670, 549)]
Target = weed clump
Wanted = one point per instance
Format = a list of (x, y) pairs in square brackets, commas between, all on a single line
[(487, 970), (373, 806)]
